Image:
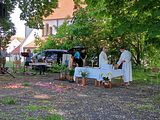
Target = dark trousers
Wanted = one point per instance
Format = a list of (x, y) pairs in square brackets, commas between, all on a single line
[(79, 62), (42, 69)]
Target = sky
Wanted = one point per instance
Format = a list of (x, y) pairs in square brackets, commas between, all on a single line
[(19, 24)]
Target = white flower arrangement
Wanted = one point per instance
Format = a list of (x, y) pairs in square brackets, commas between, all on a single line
[(84, 74), (106, 76)]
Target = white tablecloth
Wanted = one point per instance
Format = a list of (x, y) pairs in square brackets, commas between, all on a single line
[(97, 73), (40, 63)]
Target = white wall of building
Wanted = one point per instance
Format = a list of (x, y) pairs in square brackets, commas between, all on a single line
[(30, 38), (53, 23), (12, 45)]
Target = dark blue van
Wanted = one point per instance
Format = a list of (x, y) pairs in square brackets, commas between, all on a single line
[(50, 56)]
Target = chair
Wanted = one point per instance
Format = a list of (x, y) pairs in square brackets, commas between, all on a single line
[(16, 65)]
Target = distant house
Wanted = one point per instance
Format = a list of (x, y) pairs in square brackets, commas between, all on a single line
[(65, 10), (13, 48), (15, 54), (29, 38)]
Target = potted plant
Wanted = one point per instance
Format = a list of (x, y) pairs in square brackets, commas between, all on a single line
[(106, 80), (61, 69), (71, 74), (84, 75)]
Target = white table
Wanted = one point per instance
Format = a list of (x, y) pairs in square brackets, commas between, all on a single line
[(42, 66), (96, 72), (40, 63), (92, 72)]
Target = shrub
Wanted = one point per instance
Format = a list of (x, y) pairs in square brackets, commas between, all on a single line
[(8, 101), (71, 72), (56, 68)]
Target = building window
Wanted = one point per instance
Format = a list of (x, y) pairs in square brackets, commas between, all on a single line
[(47, 29), (57, 23), (50, 30)]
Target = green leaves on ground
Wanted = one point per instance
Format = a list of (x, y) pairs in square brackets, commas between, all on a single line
[(8, 101)]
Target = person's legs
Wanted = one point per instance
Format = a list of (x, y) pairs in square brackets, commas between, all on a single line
[(26, 67), (77, 62), (2, 66), (40, 69), (43, 69), (80, 62), (125, 77), (3, 62)]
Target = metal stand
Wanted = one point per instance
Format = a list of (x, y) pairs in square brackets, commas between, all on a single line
[(24, 67), (4, 70)]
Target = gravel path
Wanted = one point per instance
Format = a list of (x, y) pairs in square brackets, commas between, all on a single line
[(42, 96)]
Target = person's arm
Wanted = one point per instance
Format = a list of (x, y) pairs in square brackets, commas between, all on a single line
[(121, 59), (105, 57), (85, 57)]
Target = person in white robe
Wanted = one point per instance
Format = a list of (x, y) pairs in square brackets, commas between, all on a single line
[(103, 59), (125, 60), (3, 57)]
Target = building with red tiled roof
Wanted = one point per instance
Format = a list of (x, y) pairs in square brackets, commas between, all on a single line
[(14, 43), (16, 51), (31, 45), (64, 11), (14, 47)]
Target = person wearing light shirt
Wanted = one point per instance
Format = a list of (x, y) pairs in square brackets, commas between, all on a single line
[(125, 61), (103, 59)]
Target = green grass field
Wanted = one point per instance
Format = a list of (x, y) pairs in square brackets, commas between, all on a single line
[(146, 76), (140, 75)]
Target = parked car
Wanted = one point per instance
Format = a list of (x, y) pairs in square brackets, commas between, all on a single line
[(49, 56)]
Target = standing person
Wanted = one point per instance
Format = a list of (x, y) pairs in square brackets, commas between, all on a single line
[(1, 61), (83, 56), (125, 61), (28, 58), (77, 58), (3, 57), (103, 60)]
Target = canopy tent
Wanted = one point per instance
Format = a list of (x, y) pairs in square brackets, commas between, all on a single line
[(76, 48)]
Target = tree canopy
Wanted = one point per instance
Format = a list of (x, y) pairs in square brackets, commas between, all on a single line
[(33, 11), (102, 22), (115, 22), (6, 26)]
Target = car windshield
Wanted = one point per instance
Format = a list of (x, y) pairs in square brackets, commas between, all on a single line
[(50, 53)]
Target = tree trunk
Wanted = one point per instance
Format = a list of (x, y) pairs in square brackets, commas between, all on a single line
[(138, 52)]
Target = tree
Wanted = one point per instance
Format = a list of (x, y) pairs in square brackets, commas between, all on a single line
[(33, 11), (6, 26), (136, 22)]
